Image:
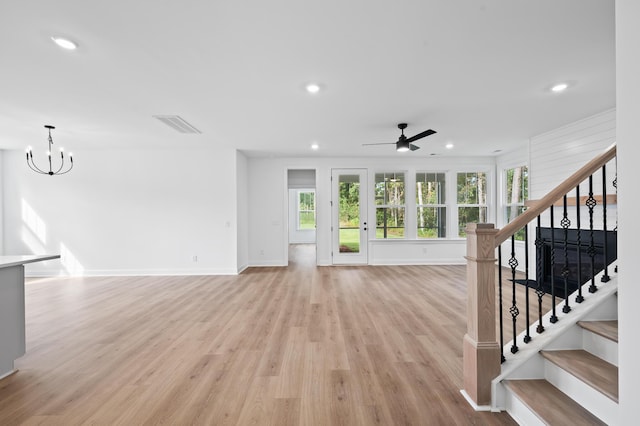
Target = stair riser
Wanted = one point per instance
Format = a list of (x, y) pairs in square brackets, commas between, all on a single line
[(600, 347), (597, 403), (519, 411)]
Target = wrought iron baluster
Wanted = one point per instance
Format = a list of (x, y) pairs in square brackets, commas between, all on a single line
[(579, 297), (605, 277), (513, 310), (565, 223), (591, 251), (539, 289), (502, 358), (527, 337), (554, 317)]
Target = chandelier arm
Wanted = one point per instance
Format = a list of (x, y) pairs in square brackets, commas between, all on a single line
[(61, 165), (70, 166), (35, 168), (67, 171)]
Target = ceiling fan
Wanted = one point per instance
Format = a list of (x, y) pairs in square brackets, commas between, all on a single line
[(404, 143)]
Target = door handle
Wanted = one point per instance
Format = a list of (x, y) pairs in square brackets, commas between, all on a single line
[(365, 226)]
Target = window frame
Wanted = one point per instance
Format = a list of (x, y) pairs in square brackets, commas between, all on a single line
[(444, 205), (504, 190), (458, 205), (299, 192), (387, 205)]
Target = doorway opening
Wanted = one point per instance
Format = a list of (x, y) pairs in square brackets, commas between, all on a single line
[(302, 228)]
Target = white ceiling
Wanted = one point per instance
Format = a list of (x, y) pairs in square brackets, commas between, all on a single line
[(477, 71)]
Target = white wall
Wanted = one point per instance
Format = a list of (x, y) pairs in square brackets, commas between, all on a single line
[(628, 133), (268, 235), (126, 212), (242, 185)]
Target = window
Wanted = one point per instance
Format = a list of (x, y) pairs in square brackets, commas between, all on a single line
[(472, 199), (431, 207), (516, 193), (390, 208), (306, 210)]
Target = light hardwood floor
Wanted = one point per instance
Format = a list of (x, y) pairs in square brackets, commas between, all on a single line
[(302, 345)]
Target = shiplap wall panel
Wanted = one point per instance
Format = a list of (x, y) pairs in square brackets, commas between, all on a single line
[(555, 155)]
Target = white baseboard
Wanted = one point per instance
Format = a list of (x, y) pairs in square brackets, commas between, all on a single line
[(473, 403), (266, 264), (419, 262), (132, 272)]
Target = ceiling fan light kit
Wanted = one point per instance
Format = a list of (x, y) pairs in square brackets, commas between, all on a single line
[(403, 144)]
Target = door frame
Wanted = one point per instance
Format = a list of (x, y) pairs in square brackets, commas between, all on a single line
[(360, 258), (285, 209)]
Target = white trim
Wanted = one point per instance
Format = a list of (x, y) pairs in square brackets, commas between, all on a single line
[(473, 404), (268, 264), (392, 262), (132, 272), (9, 373)]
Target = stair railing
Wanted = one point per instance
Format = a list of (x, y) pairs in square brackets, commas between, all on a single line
[(482, 350)]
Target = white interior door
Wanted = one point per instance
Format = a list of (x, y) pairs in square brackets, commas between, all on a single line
[(349, 216)]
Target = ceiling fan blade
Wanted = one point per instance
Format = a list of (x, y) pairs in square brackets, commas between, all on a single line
[(421, 135), (382, 143), (413, 147)]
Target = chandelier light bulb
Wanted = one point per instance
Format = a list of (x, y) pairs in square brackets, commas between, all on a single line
[(560, 87), (313, 88), (64, 43)]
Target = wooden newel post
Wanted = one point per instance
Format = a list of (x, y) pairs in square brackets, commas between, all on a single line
[(481, 351)]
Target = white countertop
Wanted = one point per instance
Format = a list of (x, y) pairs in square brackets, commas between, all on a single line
[(7, 261)]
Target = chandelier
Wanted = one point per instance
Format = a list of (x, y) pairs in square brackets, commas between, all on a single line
[(32, 164)]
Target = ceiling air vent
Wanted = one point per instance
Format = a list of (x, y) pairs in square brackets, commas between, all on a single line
[(177, 123)]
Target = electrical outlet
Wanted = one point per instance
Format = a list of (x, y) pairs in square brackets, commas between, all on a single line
[(195, 258)]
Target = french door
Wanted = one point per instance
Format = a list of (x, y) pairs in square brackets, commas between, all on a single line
[(349, 216)]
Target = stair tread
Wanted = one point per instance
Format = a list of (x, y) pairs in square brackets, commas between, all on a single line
[(550, 404), (587, 367), (607, 329)]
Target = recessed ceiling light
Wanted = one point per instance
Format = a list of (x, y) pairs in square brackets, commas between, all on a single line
[(315, 147), (449, 145), (312, 88), (560, 87), (64, 43)]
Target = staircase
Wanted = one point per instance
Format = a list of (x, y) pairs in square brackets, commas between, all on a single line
[(572, 377), (563, 368)]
